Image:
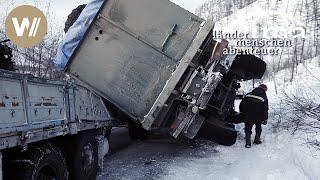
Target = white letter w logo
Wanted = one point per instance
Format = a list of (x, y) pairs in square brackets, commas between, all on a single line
[(25, 25)]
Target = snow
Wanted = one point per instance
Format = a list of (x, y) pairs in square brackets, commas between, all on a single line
[(189, 5), (306, 83), (272, 160), (272, 20), (267, 19), (281, 156)]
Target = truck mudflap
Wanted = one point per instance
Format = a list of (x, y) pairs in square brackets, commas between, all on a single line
[(219, 131), (188, 122), (192, 121)]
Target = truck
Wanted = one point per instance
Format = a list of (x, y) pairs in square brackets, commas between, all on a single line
[(49, 129), (147, 63), (156, 65)]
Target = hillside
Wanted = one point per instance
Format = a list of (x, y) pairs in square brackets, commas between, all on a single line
[(295, 21)]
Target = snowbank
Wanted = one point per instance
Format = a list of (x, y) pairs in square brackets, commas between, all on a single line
[(282, 156), (279, 158)]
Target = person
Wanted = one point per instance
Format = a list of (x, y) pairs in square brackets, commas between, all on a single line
[(254, 109)]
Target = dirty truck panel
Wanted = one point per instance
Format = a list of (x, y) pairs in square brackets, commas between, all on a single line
[(132, 54), (158, 64)]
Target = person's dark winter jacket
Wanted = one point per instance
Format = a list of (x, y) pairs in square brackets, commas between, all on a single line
[(254, 106)]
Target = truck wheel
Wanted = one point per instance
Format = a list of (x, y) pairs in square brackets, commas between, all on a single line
[(38, 163), (72, 18), (220, 132), (84, 161), (136, 131)]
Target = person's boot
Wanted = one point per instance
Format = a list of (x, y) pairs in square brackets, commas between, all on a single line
[(257, 139), (248, 140)]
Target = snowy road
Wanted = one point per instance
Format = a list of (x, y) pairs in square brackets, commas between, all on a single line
[(148, 159), (278, 158)]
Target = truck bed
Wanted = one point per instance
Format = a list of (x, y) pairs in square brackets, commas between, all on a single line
[(34, 109)]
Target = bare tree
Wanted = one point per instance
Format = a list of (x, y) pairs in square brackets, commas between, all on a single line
[(38, 60), (218, 9), (305, 113), (305, 11)]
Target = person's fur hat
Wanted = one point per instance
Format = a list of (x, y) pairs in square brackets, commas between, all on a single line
[(264, 87)]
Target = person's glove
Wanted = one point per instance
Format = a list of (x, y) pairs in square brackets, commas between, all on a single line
[(265, 122)]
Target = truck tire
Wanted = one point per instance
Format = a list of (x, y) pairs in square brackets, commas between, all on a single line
[(84, 157), (136, 131), (38, 163), (220, 132), (72, 18)]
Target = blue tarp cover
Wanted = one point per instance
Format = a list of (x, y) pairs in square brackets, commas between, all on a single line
[(76, 33)]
